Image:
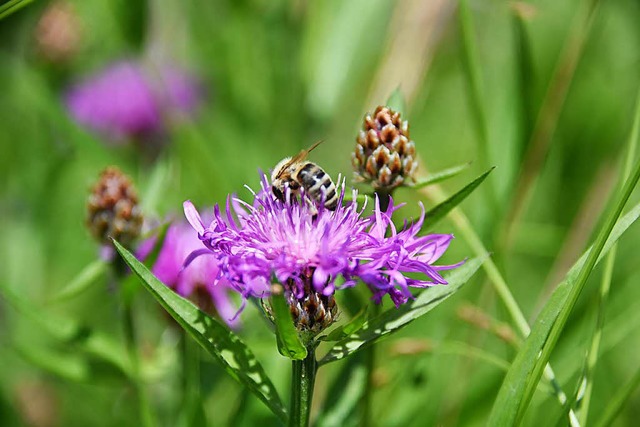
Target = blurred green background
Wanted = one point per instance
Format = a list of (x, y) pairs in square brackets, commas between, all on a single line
[(549, 102)]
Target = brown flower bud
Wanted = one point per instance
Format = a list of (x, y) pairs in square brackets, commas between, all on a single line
[(113, 209), (58, 33), (384, 155), (313, 312)]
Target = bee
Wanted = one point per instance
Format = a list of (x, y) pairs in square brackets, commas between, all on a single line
[(296, 172)]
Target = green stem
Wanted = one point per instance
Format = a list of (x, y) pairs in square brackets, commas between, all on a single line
[(131, 342), (369, 360), (303, 376), (500, 286), (192, 405), (605, 284)]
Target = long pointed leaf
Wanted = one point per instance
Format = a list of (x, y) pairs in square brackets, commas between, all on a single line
[(289, 344), (341, 407), (396, 318), (397, 102), (618, 401), (225, 346), (438, 212), (440, 176), (12, 6), (83, 281), (524, 374)]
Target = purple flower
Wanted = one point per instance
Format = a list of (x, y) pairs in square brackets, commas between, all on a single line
[(304, 247), (127, 100), (195, 280)]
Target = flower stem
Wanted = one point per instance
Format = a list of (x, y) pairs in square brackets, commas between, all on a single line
[(131, 342), (303, 376), (369, 360)]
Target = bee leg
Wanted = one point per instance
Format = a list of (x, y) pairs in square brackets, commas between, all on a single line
[(311, 205)]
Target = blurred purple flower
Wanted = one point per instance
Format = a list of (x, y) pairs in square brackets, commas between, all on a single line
[(308, 249), (127, 100), (196, 280)]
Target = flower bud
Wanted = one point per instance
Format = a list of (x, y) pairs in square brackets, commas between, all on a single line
[(59, 33), (384, 155), (313, 313), (113, 209)]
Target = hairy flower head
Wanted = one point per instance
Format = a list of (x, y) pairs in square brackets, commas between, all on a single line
[(312, 249), (197, 280), (128, 100)]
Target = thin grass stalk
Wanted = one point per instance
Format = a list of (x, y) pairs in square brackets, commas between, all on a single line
[(500, 286), (191, 396), (12, 6), (473, 75), (131, 343), (584, 399), (561, 320), (548, 117), (618, 401)]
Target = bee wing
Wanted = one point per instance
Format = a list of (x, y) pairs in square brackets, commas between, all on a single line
[(303, 154), (299, 157)]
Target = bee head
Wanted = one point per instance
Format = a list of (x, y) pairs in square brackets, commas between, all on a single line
[(278, 169), (277, 192)]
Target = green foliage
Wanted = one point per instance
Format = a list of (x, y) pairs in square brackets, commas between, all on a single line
[(525, 372), (225, 346), (438, 177), (524, 86), (435, 214), (395, 318), (289, 343), (12, 6)]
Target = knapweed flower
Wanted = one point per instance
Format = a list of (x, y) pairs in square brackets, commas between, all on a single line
[(196, 280), (131, 101), (310, 249), (113, 210), (384, 155)]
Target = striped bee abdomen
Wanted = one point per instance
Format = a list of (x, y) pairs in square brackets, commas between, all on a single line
[(317, 182)]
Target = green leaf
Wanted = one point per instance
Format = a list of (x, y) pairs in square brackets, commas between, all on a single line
[(438, 177), (396, 318), (83, 281), (351, 327), (396, 101), (221, 343), (12, 6), (618, 401), (71, 367), (289, 344), (343, 397), (69, 332), (524, 374), (438, 212), (58, 327)]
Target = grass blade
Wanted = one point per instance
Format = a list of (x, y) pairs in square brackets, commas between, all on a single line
[(225, 346), (438, 177), (83, 281), (619, 400), (12, 6), (397, 102), (344, 395), (438, 212), (583, 400), (396, 318), (526, 370)]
